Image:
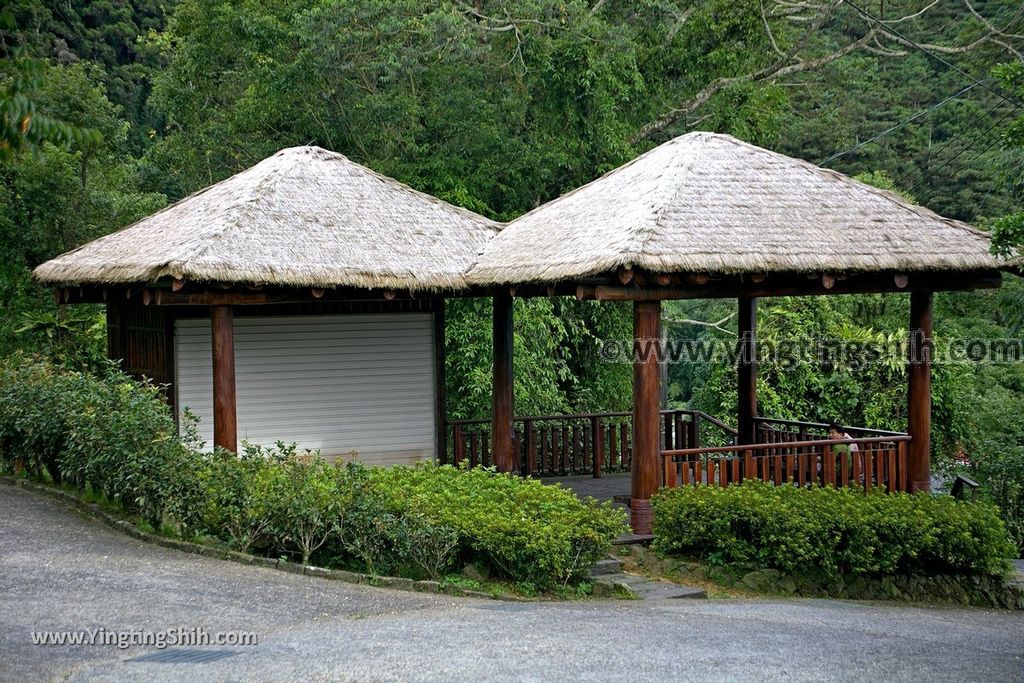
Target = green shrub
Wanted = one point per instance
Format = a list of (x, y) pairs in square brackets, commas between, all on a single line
[(828, 532), (230, 507), (115, 438), (406, 543), (34, 426), (111, 435), (304, 500), (523, 530)]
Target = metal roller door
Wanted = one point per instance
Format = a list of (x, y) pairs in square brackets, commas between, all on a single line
[(337, 383)]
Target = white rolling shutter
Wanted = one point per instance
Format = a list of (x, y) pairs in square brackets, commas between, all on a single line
[(337, 383)]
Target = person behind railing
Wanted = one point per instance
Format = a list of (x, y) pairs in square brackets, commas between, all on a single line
[(835, 431)]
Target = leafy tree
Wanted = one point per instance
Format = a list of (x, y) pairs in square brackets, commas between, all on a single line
[(60, 196)]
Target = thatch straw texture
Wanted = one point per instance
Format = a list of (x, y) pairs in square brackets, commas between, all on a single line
[(303, 217), (710, 203)]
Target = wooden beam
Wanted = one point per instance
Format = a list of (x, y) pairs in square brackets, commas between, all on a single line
[(646, 415), (919, 391), (225, 423), (501, 393), (602, 287), (795, 285), (746, 370)]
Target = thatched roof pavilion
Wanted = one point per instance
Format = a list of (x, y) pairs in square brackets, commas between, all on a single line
[(302, 217), (709, 203), (306, 245)]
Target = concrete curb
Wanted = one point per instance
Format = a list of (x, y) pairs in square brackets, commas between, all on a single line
[(394, 582)]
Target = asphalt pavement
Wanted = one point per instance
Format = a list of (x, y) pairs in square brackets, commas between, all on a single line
[(63, 572)]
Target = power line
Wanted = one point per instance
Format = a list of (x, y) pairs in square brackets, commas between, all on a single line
[(889, 29), (967, 147), (899, 125)]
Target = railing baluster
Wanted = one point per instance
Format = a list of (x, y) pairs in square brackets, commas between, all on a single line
[(473, 455), (565, 466), (828, 466), (612, 447), (901, 455), (531, 448), (597, 441), (880, 468), (625, 437), (520, 462), (669, 466), (459, 445), (891, 455)]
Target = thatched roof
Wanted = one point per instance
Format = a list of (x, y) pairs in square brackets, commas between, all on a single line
[(303, 217), (710, 203)]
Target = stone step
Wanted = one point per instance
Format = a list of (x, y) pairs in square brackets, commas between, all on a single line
[(644, 588), (633, 539), (605, 567)]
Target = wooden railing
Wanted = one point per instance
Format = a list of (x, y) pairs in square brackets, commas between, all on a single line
[(873, 461), (771, 430), (583, 443)]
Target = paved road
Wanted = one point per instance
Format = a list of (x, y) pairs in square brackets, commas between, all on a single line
[(60, 571)]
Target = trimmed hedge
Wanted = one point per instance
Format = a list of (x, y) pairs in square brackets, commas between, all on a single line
[(827, 532), (115, 438), (520, 528), (111, 435)]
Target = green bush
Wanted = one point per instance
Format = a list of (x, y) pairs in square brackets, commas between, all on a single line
[(230, 505), (304, 500), (825, 532), (523, 530), (406, 543), (113, 436)]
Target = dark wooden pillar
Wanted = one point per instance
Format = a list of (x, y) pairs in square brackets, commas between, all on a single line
[(746, 377), (919, 394), (646, 414), (501, 393), (222, 330), (440, 385)]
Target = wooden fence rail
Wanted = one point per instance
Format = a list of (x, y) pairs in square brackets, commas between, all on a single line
[(582, 443), (875, 461)]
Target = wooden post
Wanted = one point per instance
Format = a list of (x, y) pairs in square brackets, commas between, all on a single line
[(919, 394), (501, 393), (440, 387), (746, 371), (646, 431), (222, 330), (597, 446)]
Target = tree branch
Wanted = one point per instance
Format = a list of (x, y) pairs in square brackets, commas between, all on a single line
[(790, 61)]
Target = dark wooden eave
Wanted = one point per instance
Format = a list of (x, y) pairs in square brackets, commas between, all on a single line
[(624, 285)]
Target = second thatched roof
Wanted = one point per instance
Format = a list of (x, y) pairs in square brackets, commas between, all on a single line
[(302, 217), (710, 203)]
